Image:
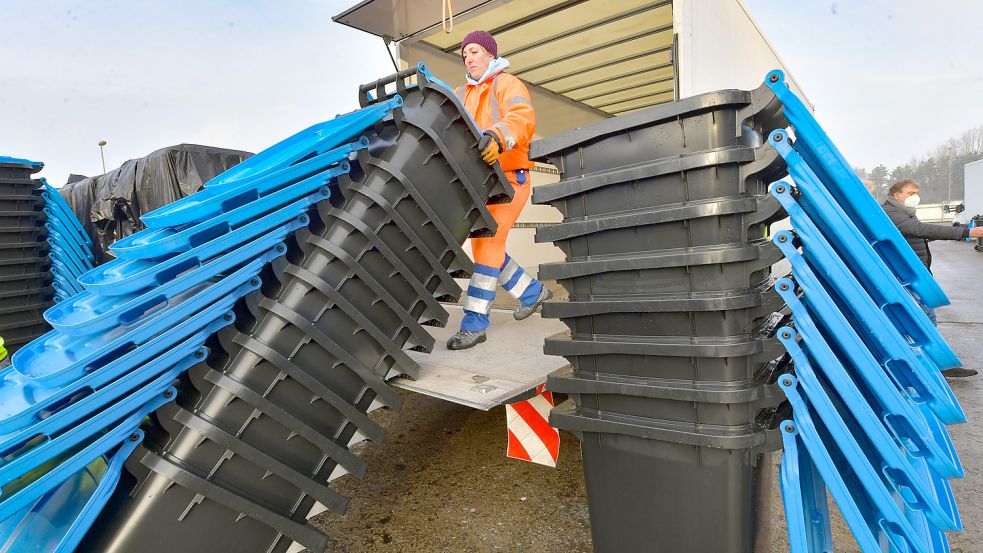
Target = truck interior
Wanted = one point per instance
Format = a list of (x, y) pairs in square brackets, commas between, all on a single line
[(583, 61)]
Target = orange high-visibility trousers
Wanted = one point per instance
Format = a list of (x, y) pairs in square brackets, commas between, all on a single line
[(491, 251)]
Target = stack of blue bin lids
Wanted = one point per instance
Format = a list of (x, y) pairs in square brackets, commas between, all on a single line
[(70, 247), (72, 401), (869, 401)]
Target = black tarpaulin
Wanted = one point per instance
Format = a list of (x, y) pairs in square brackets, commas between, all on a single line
[(110, 205)]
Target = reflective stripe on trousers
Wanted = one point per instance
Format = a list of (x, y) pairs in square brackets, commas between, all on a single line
[(514, 278), (481, 289)]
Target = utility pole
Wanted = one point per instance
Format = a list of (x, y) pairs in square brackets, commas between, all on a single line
[(102, 154), (948, 194)]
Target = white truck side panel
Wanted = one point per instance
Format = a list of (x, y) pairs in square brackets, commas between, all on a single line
[(719, 46), (973, 198)]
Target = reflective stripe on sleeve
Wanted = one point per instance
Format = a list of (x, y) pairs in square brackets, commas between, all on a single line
[(509, 139), (496, 110), (517, 100)]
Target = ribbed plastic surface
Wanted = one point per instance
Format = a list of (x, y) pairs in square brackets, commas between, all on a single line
[(26, 269), (263, 427), (671, 317)]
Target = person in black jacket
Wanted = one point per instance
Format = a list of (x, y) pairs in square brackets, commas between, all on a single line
[(900, 205)]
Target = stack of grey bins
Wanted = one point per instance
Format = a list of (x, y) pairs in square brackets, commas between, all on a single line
[(25, 271), (671, 315), (246, 454)]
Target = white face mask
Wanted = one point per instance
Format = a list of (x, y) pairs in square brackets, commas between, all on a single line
[(912, 201)]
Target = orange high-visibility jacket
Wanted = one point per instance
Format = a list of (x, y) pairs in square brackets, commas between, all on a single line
[(501, 104)]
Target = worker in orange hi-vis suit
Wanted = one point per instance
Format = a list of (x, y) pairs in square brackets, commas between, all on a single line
[(500, 105)]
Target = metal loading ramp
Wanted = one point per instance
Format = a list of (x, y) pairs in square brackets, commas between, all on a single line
[(486, 376)]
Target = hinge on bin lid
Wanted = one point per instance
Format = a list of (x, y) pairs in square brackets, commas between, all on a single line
[(767, 166), (423, 75), (764, 111), (773, 441)]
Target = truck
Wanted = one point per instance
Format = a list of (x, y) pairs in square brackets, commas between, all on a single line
[(972, 204), (583, 62)]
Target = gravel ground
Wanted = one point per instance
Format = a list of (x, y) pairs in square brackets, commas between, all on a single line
[(441, 481)]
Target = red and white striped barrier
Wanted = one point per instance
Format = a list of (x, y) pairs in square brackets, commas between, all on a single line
[(531, 438)]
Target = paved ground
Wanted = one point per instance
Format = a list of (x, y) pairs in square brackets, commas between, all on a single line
[(442, 483), (959, 269)]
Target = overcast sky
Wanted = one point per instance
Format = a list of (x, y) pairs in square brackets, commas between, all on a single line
[(147, 74), (889, 79)]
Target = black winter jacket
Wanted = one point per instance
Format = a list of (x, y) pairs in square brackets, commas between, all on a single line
[(918, 233)]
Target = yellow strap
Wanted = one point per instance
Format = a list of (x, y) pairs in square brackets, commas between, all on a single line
[(447, 16)]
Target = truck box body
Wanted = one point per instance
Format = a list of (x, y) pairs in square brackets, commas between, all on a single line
[(973, 196)]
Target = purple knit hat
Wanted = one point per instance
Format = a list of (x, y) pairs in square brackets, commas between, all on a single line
[(483, 39)]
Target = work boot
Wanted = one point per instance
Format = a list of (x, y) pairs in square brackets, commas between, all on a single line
[(523, 312), (464, 339), (959, 372)]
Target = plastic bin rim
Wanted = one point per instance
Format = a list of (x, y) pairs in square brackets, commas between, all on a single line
[(20, 163), (540, 149), (567, 417), (569, 381)]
